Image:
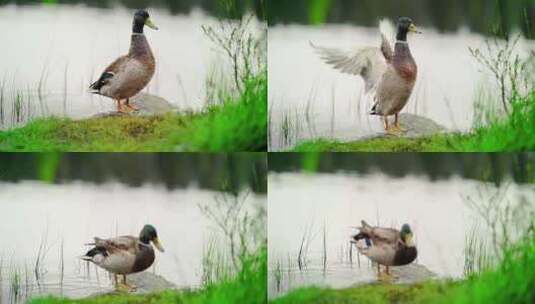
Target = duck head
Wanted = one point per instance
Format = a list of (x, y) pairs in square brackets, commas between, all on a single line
[(148, 234), (142, 18), (406, 235), (405, 26)]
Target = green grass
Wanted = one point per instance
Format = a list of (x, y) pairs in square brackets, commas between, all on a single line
[(370, 294), (238, 126), (435, 143), (512, 281), (514, 133), (234, 125), (248, 286)]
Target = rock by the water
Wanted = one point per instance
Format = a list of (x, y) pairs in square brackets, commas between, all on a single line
[(419, 126), (145, 282), (415, 126), (152, 105), (148, 105), (412, 273)]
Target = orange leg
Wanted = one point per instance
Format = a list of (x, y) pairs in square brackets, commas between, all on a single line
[(396, 124), (131, 106), (385, 121), (389, 129)]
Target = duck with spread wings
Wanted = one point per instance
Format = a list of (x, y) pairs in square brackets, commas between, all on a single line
[(388, 73)]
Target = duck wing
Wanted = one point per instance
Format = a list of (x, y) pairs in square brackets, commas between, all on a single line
[(113, 69), (385, 235), (369, 62), (124, 243), (387, 34), (380, 235), (386, 49)]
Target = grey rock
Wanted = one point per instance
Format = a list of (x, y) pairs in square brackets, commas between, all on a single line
[(416, 126), (148, 105), (412, 273), (145, 282)]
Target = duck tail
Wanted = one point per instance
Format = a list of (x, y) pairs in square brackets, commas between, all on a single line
[(360, 236), (89, 256), (93, 88), (103, 80), (362, 247), (374, 110), (365, 224), (86, 258)]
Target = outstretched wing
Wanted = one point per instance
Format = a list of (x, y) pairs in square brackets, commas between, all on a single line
[(387, 34), (386, 49), (369, 63)]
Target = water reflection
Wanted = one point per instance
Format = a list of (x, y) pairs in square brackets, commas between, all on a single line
[(60, 219), (322, 208)]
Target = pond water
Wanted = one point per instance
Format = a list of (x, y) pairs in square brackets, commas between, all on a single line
[(309, 99), (62, 218), (324, 208), (51, 54)]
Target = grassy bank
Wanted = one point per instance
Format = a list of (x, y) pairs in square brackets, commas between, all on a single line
[(235, 125), (511, 281), (513, 133), (247, 286)]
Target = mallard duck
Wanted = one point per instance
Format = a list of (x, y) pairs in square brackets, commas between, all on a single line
[(125, 254), (386, 246), (129, 74), (390, 73)]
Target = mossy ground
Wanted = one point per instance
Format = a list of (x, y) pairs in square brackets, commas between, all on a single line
[(127, 133), (514, 133), (238, 124), (435, 143), (370, 294)]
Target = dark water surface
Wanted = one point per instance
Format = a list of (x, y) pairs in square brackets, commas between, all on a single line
[(213, 7), (481, 16)]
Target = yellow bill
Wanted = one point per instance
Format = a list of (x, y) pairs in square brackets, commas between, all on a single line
[(414, 29), (408, 239), (150, 24), (158, 245)]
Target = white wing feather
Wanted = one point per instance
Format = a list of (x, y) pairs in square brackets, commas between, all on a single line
[(369, 62)]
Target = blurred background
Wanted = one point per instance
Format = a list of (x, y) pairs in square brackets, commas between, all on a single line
[(444, 15), (52, 204), (185, 7), (309, 99), (464, 209), (491, 167), (54, 50), (173, 170)]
